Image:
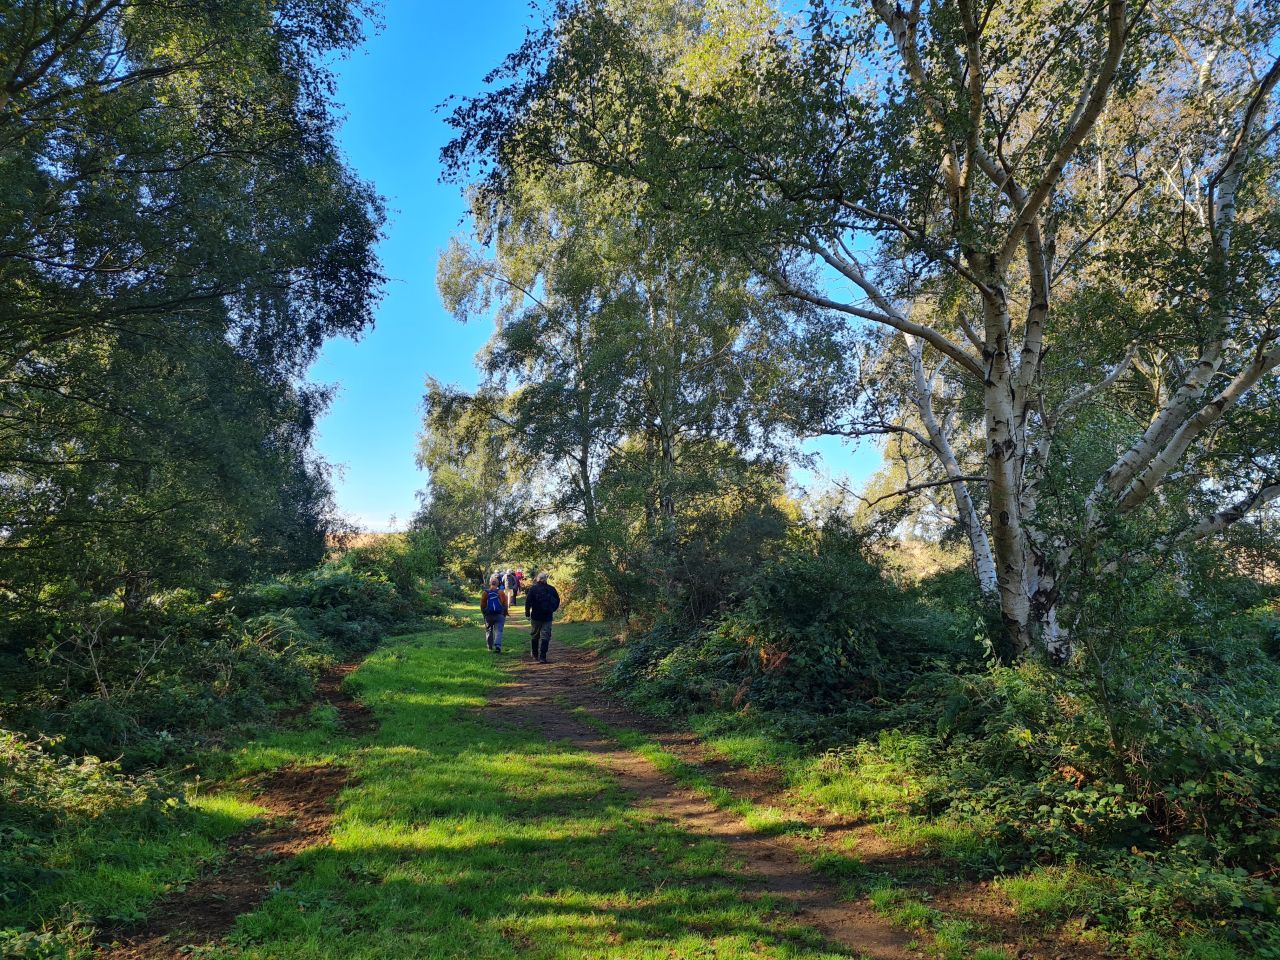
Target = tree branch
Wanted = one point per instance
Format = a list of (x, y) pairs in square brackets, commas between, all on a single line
[(1219, 520), (1078, 127)]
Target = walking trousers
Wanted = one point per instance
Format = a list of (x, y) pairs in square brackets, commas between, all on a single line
[(540, 637), (493, 632)]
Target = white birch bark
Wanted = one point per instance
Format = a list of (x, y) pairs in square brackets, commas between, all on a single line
[(940, 443)]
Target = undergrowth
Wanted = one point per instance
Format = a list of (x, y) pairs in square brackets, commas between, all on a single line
[(1134, 789)]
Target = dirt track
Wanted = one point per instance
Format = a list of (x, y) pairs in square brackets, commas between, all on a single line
[(545, 696), (537, 695), (299, 801)]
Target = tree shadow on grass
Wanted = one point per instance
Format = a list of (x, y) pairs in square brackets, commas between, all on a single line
[(463, 838)]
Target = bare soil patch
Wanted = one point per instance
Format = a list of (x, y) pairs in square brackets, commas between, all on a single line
[(355, 717), (300, 802)]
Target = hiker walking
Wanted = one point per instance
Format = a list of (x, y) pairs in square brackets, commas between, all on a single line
[(540, 606), (512, 585), (494, 606)]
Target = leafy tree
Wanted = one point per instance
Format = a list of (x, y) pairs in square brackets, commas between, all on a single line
[(476, 499), (178, 236), (1062, 216), (621, 360)]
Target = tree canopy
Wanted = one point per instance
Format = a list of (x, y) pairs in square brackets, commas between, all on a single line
[(1061, 219), (178, 236)]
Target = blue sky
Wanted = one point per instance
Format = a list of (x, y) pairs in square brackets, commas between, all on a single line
[(392, 136)]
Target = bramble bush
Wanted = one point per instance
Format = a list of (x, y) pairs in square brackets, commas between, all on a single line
[(1151, 761), (148, 686), (822, 641), (44, 793), (183, 669)]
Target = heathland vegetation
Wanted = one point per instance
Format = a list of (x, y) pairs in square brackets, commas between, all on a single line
[(1028, 249)]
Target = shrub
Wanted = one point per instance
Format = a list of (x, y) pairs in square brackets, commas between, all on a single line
[(823, 641), (148, 685), (45, 792), (1149, 765)]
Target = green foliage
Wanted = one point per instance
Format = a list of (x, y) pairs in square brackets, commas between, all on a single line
[(654, 392), (819, 631), (46, 793), (1142, 778), (178, 237), (473, 506), (46, 788), (150, 684), (408, 561), (824, 627)]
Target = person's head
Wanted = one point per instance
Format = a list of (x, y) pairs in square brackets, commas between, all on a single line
[(493, 581), (542, 577)]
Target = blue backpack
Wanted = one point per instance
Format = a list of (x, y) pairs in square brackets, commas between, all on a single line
[(493, 602)]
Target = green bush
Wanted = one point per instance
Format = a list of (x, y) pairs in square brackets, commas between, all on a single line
[(45, 792), (1151, 761), (823, 641), (182, 669), (409, 562)]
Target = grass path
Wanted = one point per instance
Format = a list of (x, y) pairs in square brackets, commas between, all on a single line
[(467, 833), (505, 809)]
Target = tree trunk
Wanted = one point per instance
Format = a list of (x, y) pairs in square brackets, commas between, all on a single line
[(134, 593), (1004, 448)]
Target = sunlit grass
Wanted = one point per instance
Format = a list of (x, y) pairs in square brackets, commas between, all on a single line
[(464, 837), (111, 869), (760, 818), (943, 937), (1053, 892)]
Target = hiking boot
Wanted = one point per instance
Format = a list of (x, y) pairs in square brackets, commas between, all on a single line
[(542, 659)]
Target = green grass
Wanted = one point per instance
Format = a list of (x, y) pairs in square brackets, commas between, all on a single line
[(762, 819), (874, 783), (461, 837), (1053, 893), (466, 838), (944, 938), (112, 868)]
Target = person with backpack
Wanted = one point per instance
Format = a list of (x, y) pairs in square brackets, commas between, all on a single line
[(540, 606), (494, 607), (512, 585)]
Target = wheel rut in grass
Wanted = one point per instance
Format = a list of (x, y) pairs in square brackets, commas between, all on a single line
[(535, 697), (300, 804), (300, 801), (546, 695), (354, 717)]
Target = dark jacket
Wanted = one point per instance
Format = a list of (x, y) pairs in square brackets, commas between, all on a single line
[(541, 602)]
